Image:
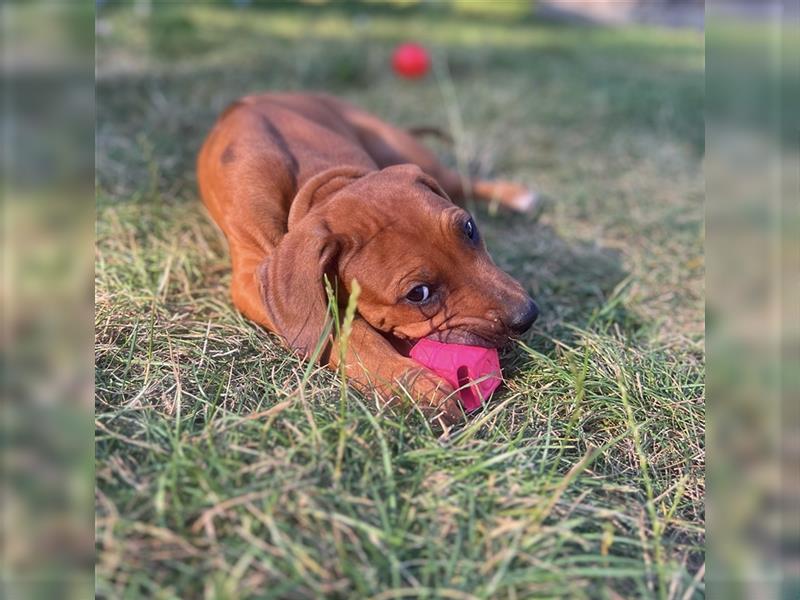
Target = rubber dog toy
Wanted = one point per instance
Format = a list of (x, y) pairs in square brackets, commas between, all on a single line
[(461, 365)]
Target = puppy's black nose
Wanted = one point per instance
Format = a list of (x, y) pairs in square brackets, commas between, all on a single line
[(523, 320)]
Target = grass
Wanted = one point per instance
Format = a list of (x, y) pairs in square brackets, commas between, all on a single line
[(228, 468)]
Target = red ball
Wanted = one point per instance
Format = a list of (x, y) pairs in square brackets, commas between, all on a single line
[(411, 61)]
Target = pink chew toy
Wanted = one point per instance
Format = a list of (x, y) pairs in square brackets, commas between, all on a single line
[(461, 366)]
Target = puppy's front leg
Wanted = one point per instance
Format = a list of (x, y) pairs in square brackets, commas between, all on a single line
[(371, 363)]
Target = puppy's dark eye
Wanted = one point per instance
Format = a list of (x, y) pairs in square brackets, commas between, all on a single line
[(470, 230), (419, 294)]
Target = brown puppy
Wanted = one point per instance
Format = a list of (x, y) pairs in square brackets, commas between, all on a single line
[(307, 186)]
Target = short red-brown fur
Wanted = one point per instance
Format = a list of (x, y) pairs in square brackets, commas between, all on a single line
[(305, 186)]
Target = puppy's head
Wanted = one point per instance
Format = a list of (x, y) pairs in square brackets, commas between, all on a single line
[(420, 261)]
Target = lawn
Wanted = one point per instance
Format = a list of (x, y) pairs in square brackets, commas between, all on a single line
[(227, 468)]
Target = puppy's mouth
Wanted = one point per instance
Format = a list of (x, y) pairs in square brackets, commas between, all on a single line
[(468, 338), (449, 336)]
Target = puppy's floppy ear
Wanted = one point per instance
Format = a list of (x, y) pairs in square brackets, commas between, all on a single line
[(291, 282), (320, 188), (291, 278)]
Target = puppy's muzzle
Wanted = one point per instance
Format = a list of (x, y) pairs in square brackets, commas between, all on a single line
[(524, 318)]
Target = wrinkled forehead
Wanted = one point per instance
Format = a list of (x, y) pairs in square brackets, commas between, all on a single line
[(423, 241), (408, 225), (391, 210), (400, 184)]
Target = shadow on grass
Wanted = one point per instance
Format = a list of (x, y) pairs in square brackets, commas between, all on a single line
[(578, 285)]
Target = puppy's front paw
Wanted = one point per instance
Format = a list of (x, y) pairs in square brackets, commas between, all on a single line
[(434, 396)]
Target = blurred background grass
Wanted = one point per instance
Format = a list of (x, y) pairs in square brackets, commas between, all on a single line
[(753, 308), (45, 346)]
